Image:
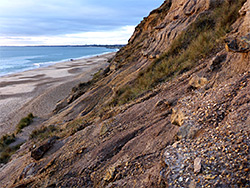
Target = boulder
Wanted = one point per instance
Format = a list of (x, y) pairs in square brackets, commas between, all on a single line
[(38, 153), (238, 44)]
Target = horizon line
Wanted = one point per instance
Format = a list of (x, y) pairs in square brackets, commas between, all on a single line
[(64, 45)]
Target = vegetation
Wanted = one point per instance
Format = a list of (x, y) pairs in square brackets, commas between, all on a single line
[(6, 140), (75, 126), (7, 153), (24, 122), (52, 130), (199, 40), (44, 132), (5, 150)]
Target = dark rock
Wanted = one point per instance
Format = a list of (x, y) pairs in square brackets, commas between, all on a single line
[(161, 26), (60, 105), (215, 64), (41, 150)]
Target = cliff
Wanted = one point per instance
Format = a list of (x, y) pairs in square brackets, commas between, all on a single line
[(172, 109)]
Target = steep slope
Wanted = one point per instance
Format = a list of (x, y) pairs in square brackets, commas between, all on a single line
[(190, 130)]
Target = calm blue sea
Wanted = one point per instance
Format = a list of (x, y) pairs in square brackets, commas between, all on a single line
[(18, 59)]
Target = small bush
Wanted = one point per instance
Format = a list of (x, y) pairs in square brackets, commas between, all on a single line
[(5, 150), (24, 122), (6, 140), (7, 153)]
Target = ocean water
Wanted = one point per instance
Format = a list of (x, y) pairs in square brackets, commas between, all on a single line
[(20, 58)]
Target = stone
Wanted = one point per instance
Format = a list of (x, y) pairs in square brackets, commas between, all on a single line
[(104, 129), (180, 179), (239, 44), (215, 64), (41, 150), (113, 66), (192, 184), (162, 104), (197, 165), (144, 53), (184, 131), (177, 117), (109, 174), (27, 171), (197, 82)]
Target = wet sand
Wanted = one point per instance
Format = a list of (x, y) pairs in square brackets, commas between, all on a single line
[(37, 91)]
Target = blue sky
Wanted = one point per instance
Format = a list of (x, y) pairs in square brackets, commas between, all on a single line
[(48, 22)]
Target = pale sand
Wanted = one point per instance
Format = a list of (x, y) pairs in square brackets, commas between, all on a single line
[(37, 91)]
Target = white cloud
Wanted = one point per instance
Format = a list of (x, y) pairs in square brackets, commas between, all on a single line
[(41, 22), (119, 36)]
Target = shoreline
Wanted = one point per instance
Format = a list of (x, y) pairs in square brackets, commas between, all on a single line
[(38, 90), (51, 63)]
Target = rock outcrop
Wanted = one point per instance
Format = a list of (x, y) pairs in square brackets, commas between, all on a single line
[(37, 153), (168, 137)]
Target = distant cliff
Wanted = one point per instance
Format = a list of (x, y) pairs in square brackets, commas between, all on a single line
[(172, 109)]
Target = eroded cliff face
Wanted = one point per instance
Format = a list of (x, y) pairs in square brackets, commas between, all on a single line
[(190, 131)]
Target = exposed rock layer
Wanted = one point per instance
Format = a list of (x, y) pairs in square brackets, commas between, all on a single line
[(136, 145)]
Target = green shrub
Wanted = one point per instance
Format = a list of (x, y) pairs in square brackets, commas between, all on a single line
[(24, 122), (7, 153), (7, 139)]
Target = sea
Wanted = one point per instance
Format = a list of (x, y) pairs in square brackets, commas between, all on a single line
[(15, 59)]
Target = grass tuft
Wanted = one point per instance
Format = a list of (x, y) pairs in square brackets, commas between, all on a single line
[(5, 150), (24, 122), (198, 41), (44, 132), (7, 153), (6, 140)]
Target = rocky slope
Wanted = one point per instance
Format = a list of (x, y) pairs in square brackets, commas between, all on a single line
[(190, 131)]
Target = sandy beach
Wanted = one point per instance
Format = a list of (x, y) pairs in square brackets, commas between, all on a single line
[(37, 91)]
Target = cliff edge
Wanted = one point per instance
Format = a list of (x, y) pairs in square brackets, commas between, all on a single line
[(171, 110)]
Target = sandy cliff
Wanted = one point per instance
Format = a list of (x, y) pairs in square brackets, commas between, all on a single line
[(189, 130)]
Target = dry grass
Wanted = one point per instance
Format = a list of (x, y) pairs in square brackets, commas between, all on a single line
[(44, 132), (201, 39), (52, 130)]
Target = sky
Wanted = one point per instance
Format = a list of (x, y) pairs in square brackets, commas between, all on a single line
[(71, 22)]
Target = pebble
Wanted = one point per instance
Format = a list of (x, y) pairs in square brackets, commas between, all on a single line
[(223, 165), (180, 179)]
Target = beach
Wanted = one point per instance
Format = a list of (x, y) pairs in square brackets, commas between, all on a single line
[(37, 91)]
